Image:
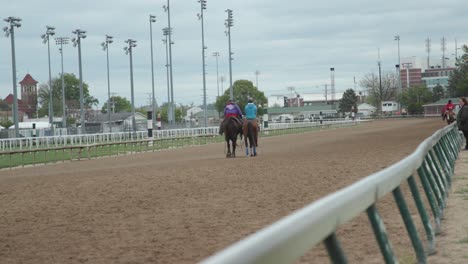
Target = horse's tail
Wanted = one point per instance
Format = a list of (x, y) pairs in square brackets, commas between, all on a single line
[(251, 134)]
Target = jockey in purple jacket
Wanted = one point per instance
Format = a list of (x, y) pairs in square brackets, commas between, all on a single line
[(231, 110)]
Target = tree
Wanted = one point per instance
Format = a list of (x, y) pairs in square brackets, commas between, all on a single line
[(377, 94), (242, 90), (415, 97), (120, 104), (458, 81), (438, 92), (4, 106), (163, 112), (72, 95), (348, 102), (6, 123)]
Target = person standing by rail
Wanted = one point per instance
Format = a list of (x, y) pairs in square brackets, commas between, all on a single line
[(462, 119)]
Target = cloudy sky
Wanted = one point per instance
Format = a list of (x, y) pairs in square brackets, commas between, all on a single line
[(291, 43)]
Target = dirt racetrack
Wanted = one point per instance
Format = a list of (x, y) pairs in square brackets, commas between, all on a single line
[(180, 206)]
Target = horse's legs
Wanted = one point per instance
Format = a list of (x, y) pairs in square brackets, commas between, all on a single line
[(234, 143), (228, 154)]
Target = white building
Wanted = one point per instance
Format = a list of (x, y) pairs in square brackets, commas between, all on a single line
[(311, 98), (191, 112), (389, 106), (366, 109)]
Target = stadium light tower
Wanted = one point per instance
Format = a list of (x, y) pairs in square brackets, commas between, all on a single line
[(200, 17), (128, 50), (46, 39), (105, 47), (152, 19), (170, 43), (80, 34), (229, 22), (10, 30), (62, 41)]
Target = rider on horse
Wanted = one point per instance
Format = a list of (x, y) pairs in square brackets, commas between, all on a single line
[(448, 108), (251, 115), (231, 110)]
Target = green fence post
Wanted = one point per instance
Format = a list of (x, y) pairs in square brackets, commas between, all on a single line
[(448, 150), (439, 173), (335, 251), (381, 235), (447, 172), (444, 158), (424, 216), (435, 177), (410, 227), (430, 197)]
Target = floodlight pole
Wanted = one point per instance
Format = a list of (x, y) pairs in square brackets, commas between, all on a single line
[(131, 44), (229, 23), (105, 46), (13, 22), (80, 34), (152, 19), (200, 16), (61, 41), (46, 37)]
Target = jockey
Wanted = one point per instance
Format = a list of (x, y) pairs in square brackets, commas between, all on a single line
[(447, 108), (250, 110), (251, 115), (231, 110)]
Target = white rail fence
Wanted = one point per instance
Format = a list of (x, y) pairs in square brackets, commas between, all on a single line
[(291, 237), (86, 139)]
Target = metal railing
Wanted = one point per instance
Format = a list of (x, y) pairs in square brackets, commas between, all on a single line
[(291, 237)]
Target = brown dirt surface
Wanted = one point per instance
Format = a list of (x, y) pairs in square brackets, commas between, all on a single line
[(182, 205), (452, 244)]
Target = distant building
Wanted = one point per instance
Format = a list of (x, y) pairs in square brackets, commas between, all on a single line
[(437, 76), (435, 109), (277, 101), (410, 77), (120, 122), (29, 94)]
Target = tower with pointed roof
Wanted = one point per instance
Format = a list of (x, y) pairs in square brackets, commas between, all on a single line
[(29, 94)]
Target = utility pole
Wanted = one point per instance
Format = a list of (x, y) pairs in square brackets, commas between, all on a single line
[(166, 42), (380, 82), (332, 77), (397, 38), (428, 50), (257, 72), (216, 54), (443, 47)]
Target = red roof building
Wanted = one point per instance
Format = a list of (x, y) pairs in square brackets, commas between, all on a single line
[(28, 102), (28, 80)]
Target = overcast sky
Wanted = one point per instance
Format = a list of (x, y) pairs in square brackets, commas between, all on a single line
[(291, 43)]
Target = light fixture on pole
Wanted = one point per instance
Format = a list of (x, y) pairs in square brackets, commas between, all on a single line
[(10, 30), (80, 34), (229, 22), (128, 50), (152, 19), (45, 39), (170, 43), (200, 17), (216, 54), (62, 41), (105, 47)]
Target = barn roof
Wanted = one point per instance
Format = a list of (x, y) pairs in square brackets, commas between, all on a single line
[(28, 80)]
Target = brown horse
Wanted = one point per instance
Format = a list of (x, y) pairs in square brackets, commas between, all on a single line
[(450, 116), (251, 134), (231, 128)]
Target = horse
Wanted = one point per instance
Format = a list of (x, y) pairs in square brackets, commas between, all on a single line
[(231, 129), (450, 116), (251, 134)]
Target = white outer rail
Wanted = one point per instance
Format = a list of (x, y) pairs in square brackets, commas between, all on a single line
[(291, 237)]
